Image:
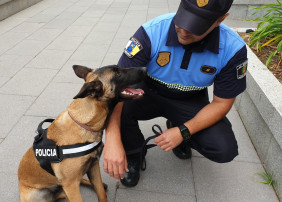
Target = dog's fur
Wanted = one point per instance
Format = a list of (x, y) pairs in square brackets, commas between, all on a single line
[(97, 98)]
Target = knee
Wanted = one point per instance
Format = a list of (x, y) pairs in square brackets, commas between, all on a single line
[(225, 154)]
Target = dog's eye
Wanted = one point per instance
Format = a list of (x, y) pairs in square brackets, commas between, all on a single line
[(116, 71)]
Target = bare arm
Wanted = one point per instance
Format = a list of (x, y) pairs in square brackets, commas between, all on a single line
[(206, 117), (115, 162)]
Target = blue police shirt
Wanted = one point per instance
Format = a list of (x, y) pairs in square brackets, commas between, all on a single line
[(175, 69)]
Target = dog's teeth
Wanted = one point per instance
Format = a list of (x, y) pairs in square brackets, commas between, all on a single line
[(123, 92), (140, 94)]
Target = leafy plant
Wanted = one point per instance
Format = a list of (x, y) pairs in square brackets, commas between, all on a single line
[(267, 179), (269, 28)]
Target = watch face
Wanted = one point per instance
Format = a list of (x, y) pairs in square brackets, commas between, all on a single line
[(185, 134)]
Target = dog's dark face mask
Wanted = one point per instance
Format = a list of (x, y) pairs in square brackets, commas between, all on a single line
[(110, 83)]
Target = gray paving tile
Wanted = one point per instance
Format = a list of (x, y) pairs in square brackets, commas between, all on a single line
[(10, 39), (66, 43), (112, 58), (11, 109), (16, 144), (59, 24), (41, 18), (27, 27), (11, 64), (9, 188), (28, 81), (27, 47), (9, 23), (76, 31), (54, 99), (92, 52), (45, 34), (233, 181), (50, 59), (126, 195), (3, 80), (99, 37), (85, 21), (67, 75)]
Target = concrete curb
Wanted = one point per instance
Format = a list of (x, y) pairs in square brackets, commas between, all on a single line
[(10, 7), (260, 108)]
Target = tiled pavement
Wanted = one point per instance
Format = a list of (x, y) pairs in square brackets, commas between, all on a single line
[(38, 47)]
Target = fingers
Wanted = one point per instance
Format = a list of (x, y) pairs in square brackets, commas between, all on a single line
[(115, 168)]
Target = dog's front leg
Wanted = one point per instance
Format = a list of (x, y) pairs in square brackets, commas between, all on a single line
[(94, 176), (72, 191)]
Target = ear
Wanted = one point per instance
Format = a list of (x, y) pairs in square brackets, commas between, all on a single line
[(93, 89), (81, 71)]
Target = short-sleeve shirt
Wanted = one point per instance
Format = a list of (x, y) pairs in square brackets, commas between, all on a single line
[(175, 69)]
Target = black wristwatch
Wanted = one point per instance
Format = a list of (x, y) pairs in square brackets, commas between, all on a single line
[(184, 132)]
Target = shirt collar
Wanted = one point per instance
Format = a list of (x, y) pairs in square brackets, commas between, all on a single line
[(210, 42)]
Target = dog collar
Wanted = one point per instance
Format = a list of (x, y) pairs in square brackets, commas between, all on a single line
[(46, 151), (86, 127)]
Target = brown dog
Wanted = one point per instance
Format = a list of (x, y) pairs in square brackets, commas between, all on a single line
[(81, 123)]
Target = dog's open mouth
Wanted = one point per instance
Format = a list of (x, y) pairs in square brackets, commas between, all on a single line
[(131, 93)]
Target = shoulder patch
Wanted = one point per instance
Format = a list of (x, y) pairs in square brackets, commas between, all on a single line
[(163, 58), (132, 47), (242, 69)]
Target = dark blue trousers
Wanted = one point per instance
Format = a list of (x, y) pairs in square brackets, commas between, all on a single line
[(216, 143)]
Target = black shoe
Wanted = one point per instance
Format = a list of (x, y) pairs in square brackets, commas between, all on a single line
[(183, 151), (132, 177)]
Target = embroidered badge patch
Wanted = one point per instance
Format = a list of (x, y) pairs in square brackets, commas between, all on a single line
[(242, 69), (208, 69), (163, 58), (132, 47), (202, 3)]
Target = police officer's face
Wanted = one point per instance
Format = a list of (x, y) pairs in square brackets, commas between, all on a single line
[(185, 37)]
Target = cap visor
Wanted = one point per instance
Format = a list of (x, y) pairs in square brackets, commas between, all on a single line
[(191, 22)]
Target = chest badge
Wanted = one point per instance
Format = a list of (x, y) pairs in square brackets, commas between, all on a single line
[(163, 58), (202, 3), (208, 69)]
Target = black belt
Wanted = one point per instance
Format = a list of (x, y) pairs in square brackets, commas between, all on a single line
[(146, 146)]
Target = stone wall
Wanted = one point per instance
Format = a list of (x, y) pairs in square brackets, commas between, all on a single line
[(260, 108), (10, 7), (243, 9)]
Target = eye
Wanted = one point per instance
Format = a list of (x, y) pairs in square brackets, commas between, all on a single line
[(116, 71)]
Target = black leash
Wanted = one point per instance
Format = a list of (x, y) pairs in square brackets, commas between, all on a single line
[(146, 146)]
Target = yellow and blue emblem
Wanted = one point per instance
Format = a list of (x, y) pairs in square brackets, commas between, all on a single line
[(132, 47)]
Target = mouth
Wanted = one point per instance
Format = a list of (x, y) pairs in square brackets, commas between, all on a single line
[(131, 93)]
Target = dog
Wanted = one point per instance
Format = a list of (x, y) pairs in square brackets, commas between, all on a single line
[(81, 123)]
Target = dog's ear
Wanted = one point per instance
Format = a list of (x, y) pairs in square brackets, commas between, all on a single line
[(93, 89), (81, 71)]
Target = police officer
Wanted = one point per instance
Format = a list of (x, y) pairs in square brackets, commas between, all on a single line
[(185, 53)]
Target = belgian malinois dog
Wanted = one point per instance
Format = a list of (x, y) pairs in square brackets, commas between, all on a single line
[(82, 122)]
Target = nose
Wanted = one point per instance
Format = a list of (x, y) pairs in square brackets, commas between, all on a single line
[(184, 32)]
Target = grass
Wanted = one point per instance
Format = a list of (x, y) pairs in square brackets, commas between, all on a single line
[(267, 179)]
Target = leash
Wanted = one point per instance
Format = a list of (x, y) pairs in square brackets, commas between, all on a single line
[(146, 146)]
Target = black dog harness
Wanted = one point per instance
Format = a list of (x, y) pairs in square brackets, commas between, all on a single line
[(46, 151)]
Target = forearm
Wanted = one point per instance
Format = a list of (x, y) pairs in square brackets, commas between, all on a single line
[(113, 127), (209, 115)]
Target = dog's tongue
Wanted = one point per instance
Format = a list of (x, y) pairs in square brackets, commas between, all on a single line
[(131, 92)]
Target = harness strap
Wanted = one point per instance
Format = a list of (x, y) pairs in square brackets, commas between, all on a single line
[(145, 146)]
